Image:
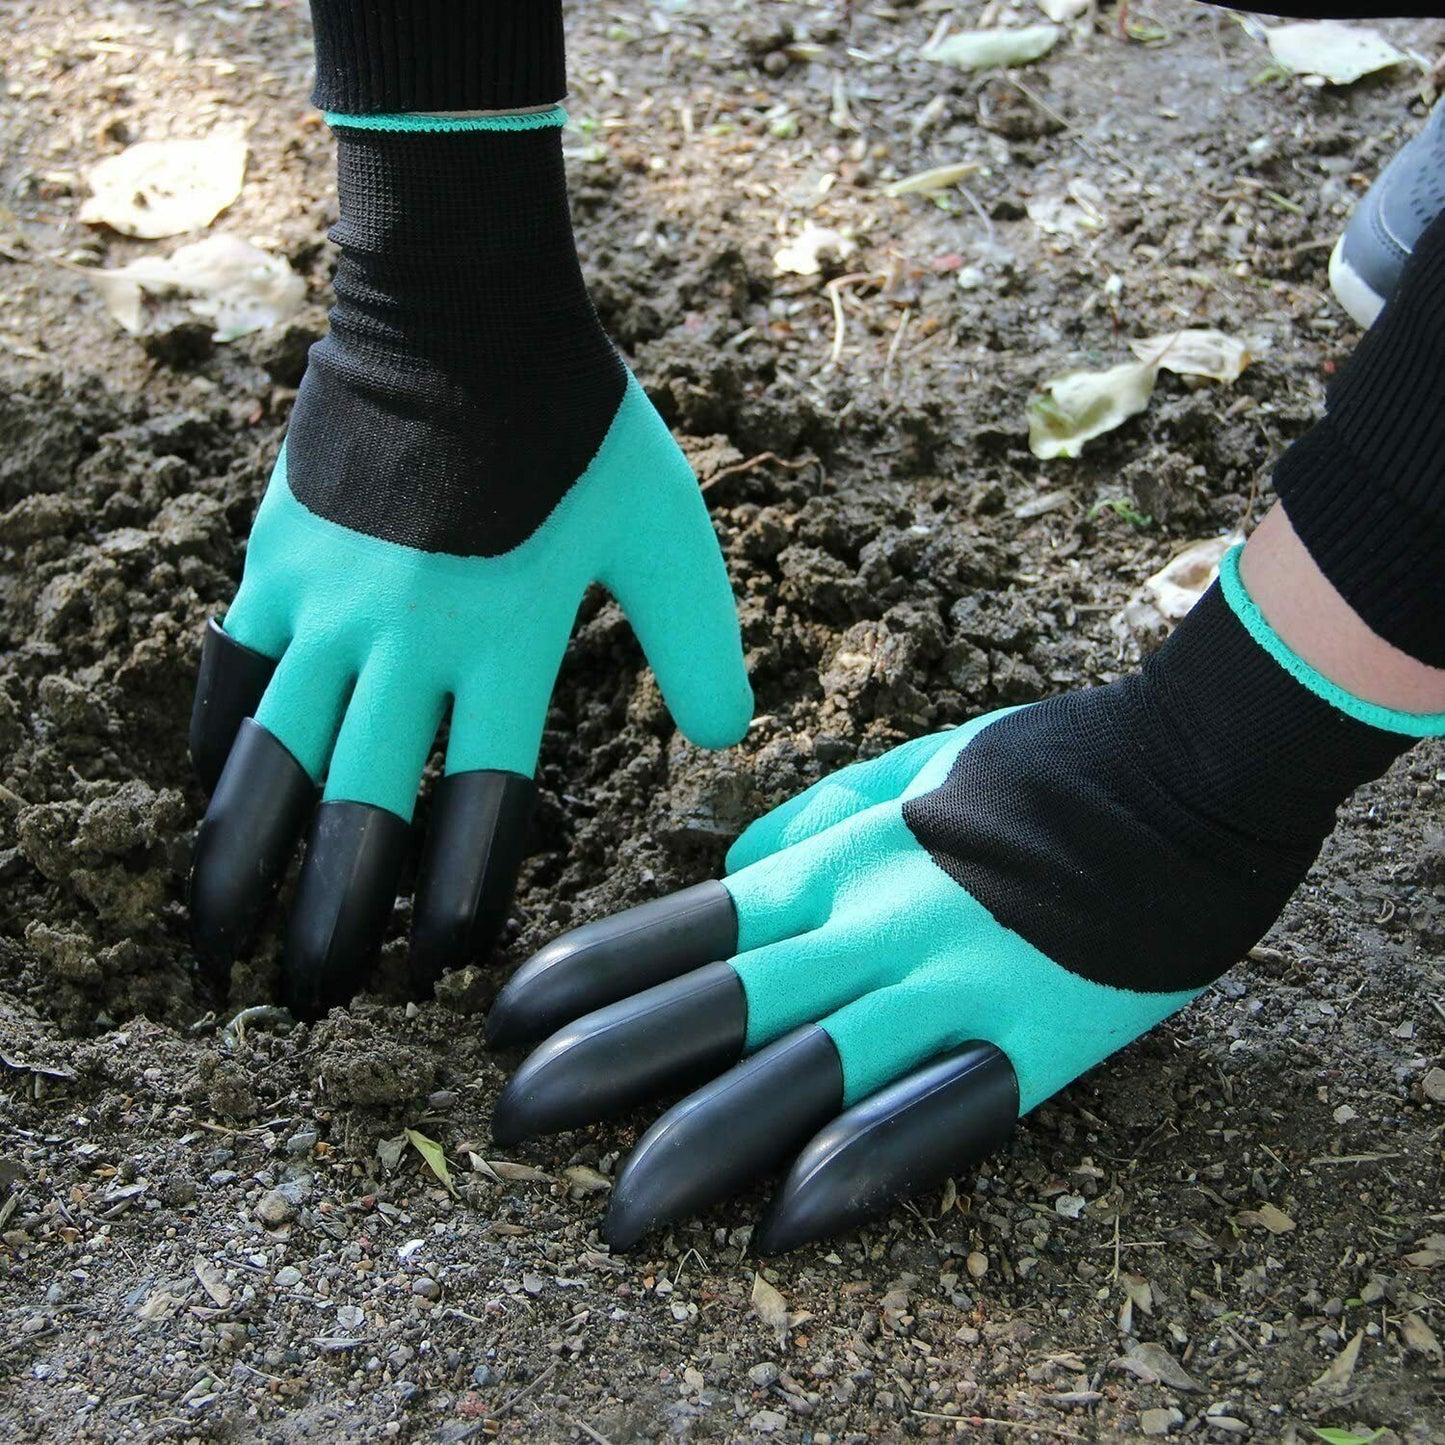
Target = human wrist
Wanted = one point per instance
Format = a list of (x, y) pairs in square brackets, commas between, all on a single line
[(1311, 619)]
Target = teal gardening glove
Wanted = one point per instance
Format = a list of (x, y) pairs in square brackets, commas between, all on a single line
[(913, 952), (466, 456)]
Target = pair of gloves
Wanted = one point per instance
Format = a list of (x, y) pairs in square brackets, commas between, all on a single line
[(900, 961)]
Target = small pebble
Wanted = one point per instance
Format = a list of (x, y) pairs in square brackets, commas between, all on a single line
[(976, 1264), (274, 1209), (1159, 1422), (426, 1288), (288, 1276), (765, 1374), (351, 1317), (302, 1142)]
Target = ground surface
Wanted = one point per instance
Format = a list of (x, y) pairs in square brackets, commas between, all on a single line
[(904, 562)]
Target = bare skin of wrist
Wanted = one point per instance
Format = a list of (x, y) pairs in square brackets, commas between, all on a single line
[(1317, 623)]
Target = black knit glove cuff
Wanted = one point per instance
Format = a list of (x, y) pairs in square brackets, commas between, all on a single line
[(378, 57)]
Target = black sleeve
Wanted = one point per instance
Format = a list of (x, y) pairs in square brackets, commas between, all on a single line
[(384, 56), (1365, 488)]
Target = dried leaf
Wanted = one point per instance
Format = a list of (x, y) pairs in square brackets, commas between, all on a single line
[(435, 1156), (213, 1282), (985, 49), (1419, 1337), (1342, 1367), (1334, 53), (804, 256), (235, 286), (589, 1181), (1153, 1363), (166, 187), (1139, 1290), (770, 1307), (522, 1173), (1267, 1217), (936, 178), (1165, 598), (1077, 407), (1195, 352)]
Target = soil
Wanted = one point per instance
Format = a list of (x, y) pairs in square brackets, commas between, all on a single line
[(216, 1229)]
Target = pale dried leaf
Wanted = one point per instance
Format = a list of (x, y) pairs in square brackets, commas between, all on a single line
[(235, 286), (213, 1282), (1077, 407), (166, 187), (1419, 1337), (1139, 1290), (936, 178), (1062, 11), (986, 49), (804, 255), (1195, 351), (1166, 597), (770, 1307), (1342, 1367), (588, 1181), (1338, 54), (518, 1173), (1267, 1216), (1153, 1363)]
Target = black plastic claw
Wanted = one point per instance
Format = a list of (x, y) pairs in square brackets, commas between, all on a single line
[(257, 812), (674, 1035), (741, 1126), (602, 962), (469, 865), (908, 1137), (228, 689), (343, 900)]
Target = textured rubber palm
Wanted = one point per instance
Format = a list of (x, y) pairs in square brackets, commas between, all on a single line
[(857, 928), (374, 638)]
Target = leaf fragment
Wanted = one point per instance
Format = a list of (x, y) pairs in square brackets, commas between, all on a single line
[(770, 1307), (1331, 53), (1341, 1369), (804, 256), (517, 1173), (213, 1281), (1075, 408), (166, 187), (987, 49), (1195, 351), (1418, 1336), (1267, 1216), (435, 1156), (935, 178)]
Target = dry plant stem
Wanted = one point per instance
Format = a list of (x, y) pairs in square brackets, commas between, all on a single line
[(1300, 604)]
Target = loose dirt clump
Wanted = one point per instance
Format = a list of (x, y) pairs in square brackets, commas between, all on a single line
[(214, 1226)]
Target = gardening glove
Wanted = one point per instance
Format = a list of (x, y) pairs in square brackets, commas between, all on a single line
[(914, 952), (467, 455)]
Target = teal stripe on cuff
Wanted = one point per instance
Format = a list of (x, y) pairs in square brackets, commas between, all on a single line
[(1388, 719), (554, 118)]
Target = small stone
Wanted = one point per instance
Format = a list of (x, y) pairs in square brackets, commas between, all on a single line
[(442, 1099), (275, 1209), (426, 1288), (288, 1276), (351, 1317), (1434, 1086), (976, 1264), (302, 1142), (1159, 1422), (482, 1376), (765, 1422), (764, 1375)]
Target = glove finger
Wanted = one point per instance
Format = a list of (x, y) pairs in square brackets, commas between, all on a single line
[(611, 959), (674, 1035), (742, 1126), (359, 841), (261, 802), (477, 835), (667, 574), (906, 1138), (474, 848), (833, 800), (229, 687)]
